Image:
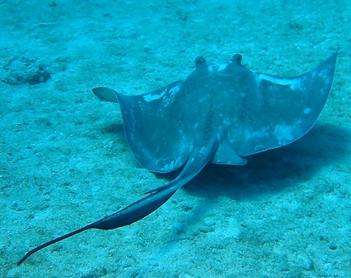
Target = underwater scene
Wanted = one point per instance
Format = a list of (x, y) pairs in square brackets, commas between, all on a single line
[(176, 138)]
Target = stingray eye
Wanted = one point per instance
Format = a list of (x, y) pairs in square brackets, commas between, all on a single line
[(200, 61), (236, 59)]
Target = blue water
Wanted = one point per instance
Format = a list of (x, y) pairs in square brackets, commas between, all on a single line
[(65, 161)]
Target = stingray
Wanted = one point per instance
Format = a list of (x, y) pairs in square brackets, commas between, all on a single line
[(219, 114)]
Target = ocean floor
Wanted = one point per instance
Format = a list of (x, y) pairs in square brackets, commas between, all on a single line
[(64, 160)]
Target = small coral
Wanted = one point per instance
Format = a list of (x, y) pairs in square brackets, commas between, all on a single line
[(23, 70)]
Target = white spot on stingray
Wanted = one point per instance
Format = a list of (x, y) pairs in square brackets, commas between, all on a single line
[(296, 85), (327, 81), (283, 133), (168, 98), (250, 134), (202, 150), (169, 94), (220, 67), (152, 97), (307, 110), (279, 81), (226, 121), (256, 136), (171, 165), (174, 90), (212, 68), (324, 74), (258, 147)]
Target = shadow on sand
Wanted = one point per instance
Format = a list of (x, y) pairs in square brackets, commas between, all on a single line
[(267, 172), (275, 169)]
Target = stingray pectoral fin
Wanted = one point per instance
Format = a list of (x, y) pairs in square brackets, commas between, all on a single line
[(282, 110), (144, 206), (106, 94)]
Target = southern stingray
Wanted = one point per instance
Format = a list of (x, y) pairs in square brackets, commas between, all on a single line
[(219, 114)]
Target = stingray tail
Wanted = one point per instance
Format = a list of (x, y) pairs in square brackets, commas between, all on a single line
[(146, 205), (159, 196), (46, 244)]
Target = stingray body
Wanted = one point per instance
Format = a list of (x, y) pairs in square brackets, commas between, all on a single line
[(219, 114)]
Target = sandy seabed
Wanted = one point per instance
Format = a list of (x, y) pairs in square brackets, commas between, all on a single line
[(64, 160)]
